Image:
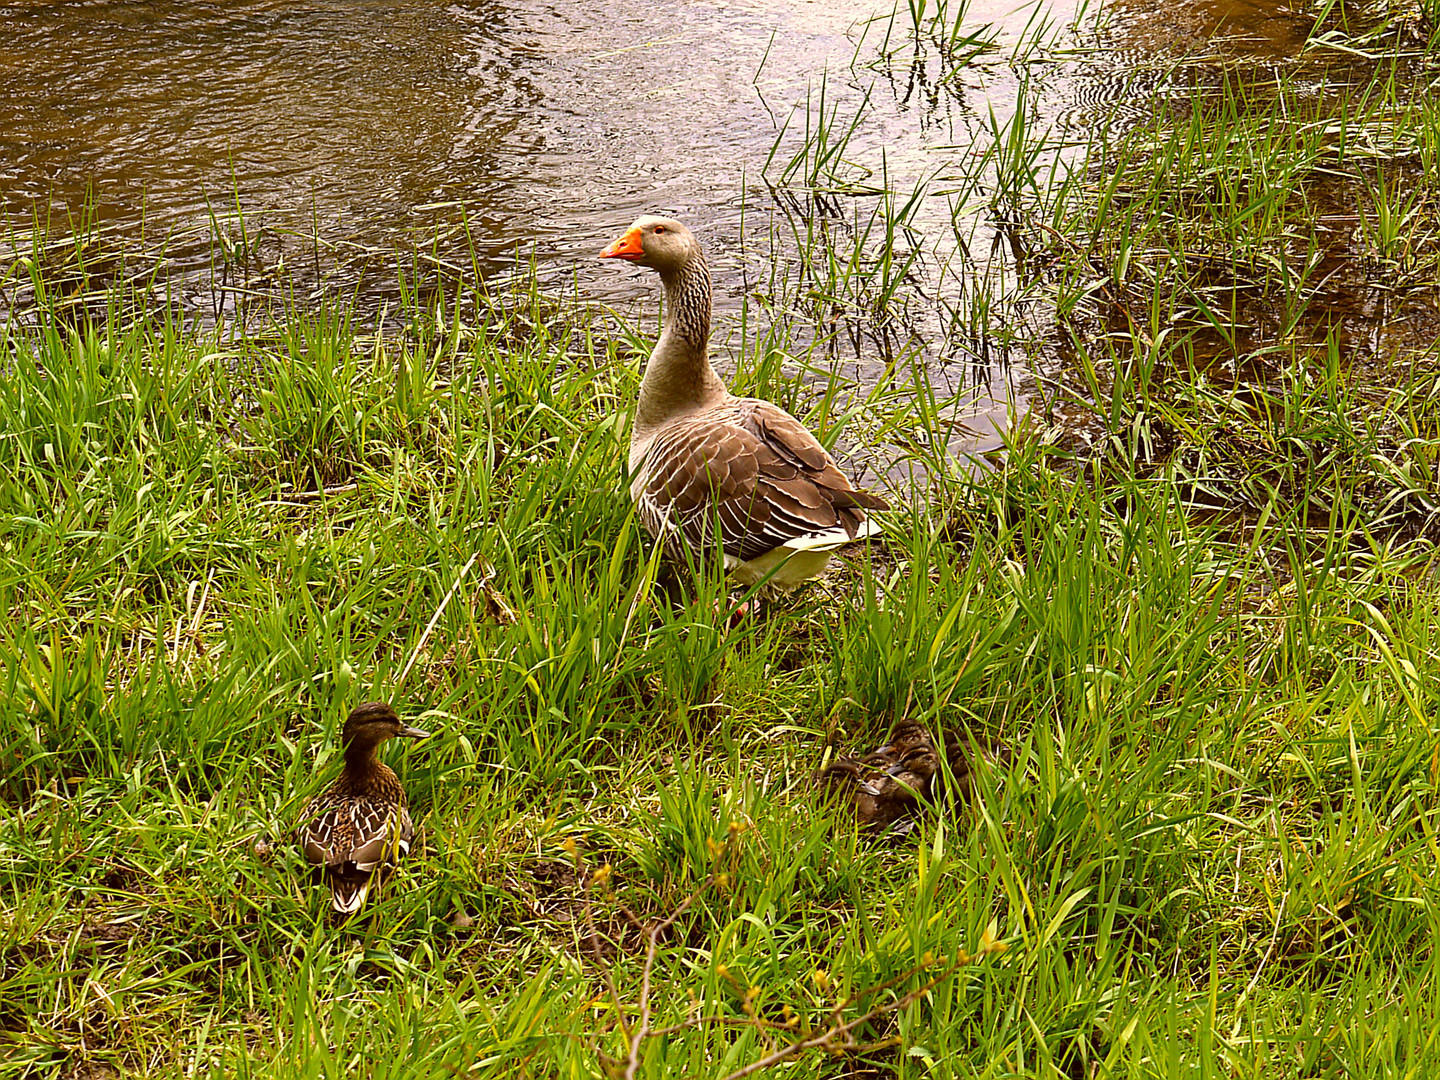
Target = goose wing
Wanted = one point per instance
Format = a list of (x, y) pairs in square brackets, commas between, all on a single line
[(751, 470)]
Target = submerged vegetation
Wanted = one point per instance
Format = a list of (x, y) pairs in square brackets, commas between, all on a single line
[(1193, 604)]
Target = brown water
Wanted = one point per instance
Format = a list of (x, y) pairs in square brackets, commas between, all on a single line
[(553, 125), (544, 127)]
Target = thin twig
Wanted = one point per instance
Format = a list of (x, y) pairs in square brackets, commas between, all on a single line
[(430, 626), (1269, 949), (826, 1039), (600, 959), (300, 497), (632, 1061)]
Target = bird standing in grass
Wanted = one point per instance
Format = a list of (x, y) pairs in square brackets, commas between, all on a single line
[(709, 466), (361, 823)]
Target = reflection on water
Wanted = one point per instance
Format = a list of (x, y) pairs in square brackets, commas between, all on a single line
[(541, 125), (157, 105), (545, 125), (553, 124), (1253, 29)]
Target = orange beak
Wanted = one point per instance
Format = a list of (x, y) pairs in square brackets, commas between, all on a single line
[(628, 246)]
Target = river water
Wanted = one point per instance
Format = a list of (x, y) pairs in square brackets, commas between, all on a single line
[(552, 124), (542, 126)]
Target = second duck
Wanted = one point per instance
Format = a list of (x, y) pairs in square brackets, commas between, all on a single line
[(361, 823)]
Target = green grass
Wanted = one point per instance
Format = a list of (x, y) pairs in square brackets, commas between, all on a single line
[(1197, 612), (1208, 852)]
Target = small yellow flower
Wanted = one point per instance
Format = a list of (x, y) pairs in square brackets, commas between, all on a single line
[(989, 940), (748, 1005)]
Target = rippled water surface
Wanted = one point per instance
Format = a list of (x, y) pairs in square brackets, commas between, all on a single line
[(554, 124), (542, 127)]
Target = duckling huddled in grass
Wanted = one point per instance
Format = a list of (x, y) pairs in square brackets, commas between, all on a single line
[(360, 824), (889, 785)]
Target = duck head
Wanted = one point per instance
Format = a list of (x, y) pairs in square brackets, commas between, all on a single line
[(374, 722)]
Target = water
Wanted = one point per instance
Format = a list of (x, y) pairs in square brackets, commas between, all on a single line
[(553, 125), (542, 128)]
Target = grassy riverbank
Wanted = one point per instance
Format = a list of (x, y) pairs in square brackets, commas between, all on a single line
[(1195, 605), (1210, 850)]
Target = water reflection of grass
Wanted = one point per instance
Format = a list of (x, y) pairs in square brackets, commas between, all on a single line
[(1200, 616)]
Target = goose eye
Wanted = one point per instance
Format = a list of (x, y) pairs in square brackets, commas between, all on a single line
[(659, 229)]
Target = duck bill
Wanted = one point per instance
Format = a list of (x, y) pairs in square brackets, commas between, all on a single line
[(408, 732), (628, 246)]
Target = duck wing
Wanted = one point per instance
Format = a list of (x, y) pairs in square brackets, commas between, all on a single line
[(352, 836)]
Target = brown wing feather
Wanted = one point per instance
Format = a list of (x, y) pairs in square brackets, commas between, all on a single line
[(891, 782), (751, 469), (349, 834)]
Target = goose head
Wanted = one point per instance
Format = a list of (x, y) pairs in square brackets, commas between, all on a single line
[(662, 244)]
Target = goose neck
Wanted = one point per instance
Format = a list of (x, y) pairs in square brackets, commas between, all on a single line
[(679, 377), (687, 304)]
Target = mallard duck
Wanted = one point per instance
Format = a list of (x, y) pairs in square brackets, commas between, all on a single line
[(890, 784), (361, 822), (704, 462)]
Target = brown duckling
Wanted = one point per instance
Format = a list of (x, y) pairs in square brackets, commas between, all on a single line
[(893, 782), (361, 823)]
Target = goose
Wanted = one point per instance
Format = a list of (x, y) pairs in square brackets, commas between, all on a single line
[(361, 823), (703, 461)]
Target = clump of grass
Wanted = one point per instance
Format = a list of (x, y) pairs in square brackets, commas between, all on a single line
[(1216, 790)]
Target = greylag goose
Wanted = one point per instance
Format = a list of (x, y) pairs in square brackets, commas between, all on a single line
[(702, 460), (361, 823)]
